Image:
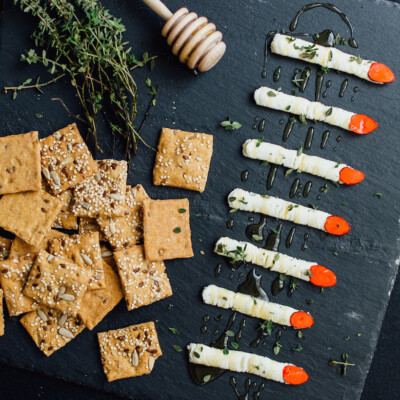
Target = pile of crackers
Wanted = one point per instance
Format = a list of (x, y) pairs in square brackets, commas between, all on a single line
[(116, 241)]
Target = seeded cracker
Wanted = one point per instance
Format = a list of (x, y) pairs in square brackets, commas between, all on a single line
[(51, 329), (13, 275), (96, 304), (65, 219), (66, 160), (166, 229), (183, 159), (20, 248), (20, 163), (126, 230), (130, 351), (104, 193), (29, 215), (143, 282), (83, 250), (90, 225), (57, 283), (1, 314), (5, 246)]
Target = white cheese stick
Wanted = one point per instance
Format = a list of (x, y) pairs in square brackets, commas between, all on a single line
[(332, 58), (270, 98), (278, 208), (239, 361), (332, 170), (276, 262), (256, 307)]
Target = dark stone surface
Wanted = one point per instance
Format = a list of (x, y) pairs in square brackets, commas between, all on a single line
[(366, 262)]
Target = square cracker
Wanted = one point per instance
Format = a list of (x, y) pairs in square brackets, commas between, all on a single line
[(57, 283), (21, 248), (51, 329), (84, 251), (183, 159), (5, 246), (96, 304), (166, 229), (1, 314), (104, 193), (20, 163), (13, 275), (29, 215), (126, 230), (65, 219), (66, 160), (129, 351), (143, 282)]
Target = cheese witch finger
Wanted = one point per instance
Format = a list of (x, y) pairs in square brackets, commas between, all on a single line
[(278, 208), (239, 361), (357, 123), (334, 171), (277, 262), (332, 58), (256, 307)]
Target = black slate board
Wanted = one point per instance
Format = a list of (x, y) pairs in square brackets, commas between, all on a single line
[(365, 264)]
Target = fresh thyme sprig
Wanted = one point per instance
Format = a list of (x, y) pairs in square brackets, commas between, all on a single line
[(80, 41), (342, 364)]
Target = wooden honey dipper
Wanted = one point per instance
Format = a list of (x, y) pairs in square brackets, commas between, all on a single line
[(196, 40)]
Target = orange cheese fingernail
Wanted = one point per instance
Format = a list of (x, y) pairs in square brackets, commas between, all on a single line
[(350, 176), (301, 320), (294, 375), (362, 124), (322, 276), (337, 225), (380, 73)]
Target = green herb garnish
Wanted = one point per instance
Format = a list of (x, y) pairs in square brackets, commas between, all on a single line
[(174, 331), (271, 94), (177, 230), (177, 348), (182, 210), (259, 141), (228, 125)]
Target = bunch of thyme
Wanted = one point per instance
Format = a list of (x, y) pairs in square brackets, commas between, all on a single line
[(79, 40)]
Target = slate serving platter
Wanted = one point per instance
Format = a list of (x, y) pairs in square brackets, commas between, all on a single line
[(365, 263)]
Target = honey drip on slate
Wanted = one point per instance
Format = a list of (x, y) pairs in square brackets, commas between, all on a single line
[(277, 285), (309, 138), (325, 137), (248, 386), (288, 129), (261, 125), (304, 246), (277, 74), (198, 371), (267, 37), (294, 187), (305, 76), (244, 176), (274, 239), (238, 336), (327, 86), (290, 236), (352, 42), (343, 87), (271, 176), (257, 229), (307, 188), (252, 286), (318, 86)]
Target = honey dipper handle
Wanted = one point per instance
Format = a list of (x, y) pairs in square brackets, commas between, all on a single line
[(159, 8)]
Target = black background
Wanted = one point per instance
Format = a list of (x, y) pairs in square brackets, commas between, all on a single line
[(178, 87)]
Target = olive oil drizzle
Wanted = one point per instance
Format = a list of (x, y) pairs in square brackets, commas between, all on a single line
[(257, 229), (294, 187), (290, 236), (267, 37), (288, 128), (343, 87), (271, 176), (325, 137)]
